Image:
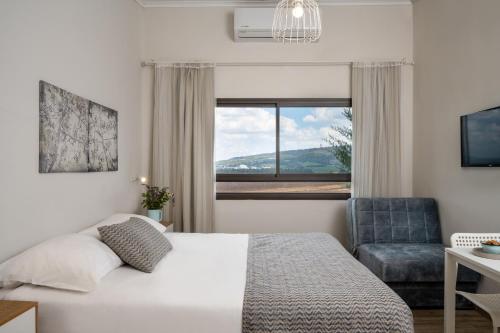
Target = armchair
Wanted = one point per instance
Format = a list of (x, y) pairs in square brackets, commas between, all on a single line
[(399, 240)]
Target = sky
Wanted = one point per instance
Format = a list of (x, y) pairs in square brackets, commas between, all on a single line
[(251, 131)]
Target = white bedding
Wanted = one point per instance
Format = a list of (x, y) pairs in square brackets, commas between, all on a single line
[(198, 287)]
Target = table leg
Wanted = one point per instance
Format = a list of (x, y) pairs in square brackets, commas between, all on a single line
[(450, 285)]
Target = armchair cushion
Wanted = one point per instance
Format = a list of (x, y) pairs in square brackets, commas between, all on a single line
[(409, 263), (392, 220)]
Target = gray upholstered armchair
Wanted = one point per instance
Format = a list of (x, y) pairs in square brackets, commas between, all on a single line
[(399, 240)]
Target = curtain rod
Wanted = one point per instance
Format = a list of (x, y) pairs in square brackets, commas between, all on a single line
[(265, 64)]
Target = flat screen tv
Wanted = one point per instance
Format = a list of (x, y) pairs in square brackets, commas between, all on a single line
[(481, 138)]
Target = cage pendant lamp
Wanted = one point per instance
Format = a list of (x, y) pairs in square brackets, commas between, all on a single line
[(297, 21)]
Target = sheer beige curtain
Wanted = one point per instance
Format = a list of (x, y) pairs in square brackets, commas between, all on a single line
[(376, 142), (183, 143)]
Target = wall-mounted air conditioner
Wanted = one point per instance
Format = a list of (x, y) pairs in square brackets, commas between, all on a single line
[(253, 24)]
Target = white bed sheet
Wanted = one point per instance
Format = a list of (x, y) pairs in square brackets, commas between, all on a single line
[(198, 287)]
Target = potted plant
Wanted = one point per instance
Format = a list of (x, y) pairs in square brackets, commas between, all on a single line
[(154, 199)]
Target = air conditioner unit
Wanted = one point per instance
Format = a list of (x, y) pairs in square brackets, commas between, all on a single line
[(253, 24)]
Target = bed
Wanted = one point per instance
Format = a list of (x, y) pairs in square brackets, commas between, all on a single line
[(222, 283)]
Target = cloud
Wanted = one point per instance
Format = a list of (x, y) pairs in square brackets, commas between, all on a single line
[(244, 131), (323, 115), (245, 120), (326, 131), (310, 119), (287, 125), (304, 138)]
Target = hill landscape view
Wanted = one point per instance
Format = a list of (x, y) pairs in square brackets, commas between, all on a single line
[(313, 160)]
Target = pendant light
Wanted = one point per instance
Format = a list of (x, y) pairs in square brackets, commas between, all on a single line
[(297, 21)]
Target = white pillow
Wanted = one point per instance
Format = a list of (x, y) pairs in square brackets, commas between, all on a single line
[(120, 218), (72, 262)]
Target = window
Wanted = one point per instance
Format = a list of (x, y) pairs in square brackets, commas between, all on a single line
[(283, 148)]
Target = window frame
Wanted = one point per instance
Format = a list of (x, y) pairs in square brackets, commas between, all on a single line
[(279, 103)]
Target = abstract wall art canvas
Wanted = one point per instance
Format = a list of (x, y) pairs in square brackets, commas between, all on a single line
[(76, 134), (103, 134)]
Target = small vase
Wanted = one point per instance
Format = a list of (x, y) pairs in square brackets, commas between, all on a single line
[(155, 214)]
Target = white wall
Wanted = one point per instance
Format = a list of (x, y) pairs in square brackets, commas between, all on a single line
[(456, 73), (91, 48), (349, 33)]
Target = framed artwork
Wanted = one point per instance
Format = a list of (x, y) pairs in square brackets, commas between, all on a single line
[(76, 134)]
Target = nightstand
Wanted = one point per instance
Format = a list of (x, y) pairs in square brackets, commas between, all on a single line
[(169, 225), (18, 317)]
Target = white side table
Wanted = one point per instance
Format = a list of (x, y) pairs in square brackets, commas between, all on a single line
[(464, 256)]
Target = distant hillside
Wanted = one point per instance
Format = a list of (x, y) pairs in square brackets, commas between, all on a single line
[(314, 160)]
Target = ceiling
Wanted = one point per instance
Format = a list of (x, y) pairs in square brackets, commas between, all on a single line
[(259, 3)]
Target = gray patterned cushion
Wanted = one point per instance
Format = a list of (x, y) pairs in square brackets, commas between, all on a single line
[(393, 220), (137, 243)]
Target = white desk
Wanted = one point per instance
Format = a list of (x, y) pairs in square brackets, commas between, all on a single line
[(487, 267)]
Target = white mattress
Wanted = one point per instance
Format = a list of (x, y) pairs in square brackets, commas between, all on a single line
[(198, 287)]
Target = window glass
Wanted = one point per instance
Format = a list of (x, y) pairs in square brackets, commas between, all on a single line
[(314, 148), (245, 140), (315, 140)]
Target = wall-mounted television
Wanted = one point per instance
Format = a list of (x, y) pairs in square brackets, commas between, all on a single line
[(481, 138)]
